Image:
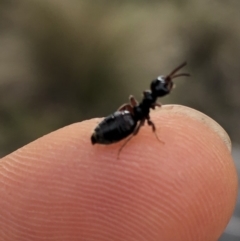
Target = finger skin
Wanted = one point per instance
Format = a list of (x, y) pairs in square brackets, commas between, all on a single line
[(60, 187)]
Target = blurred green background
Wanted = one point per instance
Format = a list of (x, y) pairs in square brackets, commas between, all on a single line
[(63, 61)]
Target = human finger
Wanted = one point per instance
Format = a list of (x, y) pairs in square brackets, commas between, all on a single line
[(60, 187)]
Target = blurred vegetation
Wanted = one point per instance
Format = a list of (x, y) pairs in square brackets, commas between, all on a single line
[(65, 61)]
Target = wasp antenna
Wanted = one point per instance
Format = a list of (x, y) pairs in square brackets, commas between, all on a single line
[(179, 75), (176, 69)]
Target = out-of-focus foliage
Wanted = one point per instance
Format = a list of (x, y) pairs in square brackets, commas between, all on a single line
[(65, 61)]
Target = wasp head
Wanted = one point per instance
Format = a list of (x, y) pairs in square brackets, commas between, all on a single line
[(164, 84)]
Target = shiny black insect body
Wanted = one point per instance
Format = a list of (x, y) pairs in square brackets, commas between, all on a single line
[(108, 131), (130, 117)]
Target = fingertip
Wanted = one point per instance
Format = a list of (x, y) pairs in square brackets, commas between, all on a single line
[(193, 167), (62, 186), (202, 120), (196, 159)]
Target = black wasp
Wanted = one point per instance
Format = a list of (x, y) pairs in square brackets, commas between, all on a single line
[(130, 117)]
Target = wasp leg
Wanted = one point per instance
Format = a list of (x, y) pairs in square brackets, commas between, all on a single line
[(127, 106), (156, 104), (150, 123), (133, 101), (134, 134), (138, 127)]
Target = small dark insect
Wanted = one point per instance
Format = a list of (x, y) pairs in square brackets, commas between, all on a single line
[(130, 117)]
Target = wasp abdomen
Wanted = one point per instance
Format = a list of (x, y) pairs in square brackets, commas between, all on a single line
[(114, 128)]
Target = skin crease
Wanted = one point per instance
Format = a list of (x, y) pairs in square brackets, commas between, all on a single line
[(60, 187)]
